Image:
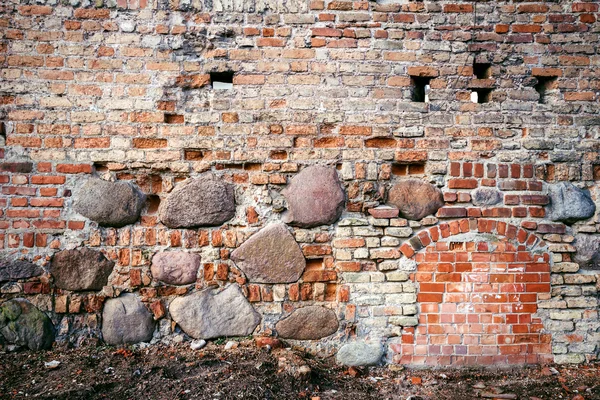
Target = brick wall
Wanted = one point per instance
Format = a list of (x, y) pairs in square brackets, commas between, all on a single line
[(124, 91)]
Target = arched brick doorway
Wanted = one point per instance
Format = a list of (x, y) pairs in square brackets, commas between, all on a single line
[(479, 283)]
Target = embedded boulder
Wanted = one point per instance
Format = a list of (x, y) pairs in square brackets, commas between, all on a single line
[(125, 320), (214, 312), (175, 267), (415, 199), (588, 251), (314, 197), (113, 204), (80, 269), (360, 353), (308, 323), (270, 256), (568, 203), (486, 196), (23, 324), (18, 269), (204, 201)]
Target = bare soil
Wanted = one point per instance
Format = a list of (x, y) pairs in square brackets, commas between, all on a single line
[(247, 372)]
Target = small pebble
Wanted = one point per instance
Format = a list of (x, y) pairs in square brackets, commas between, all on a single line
[(231, 345), (197, 344), (52, 364)]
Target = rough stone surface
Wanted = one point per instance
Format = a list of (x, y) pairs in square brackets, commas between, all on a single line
[(204, 201), (125, 320), (80, 269), (18, 269), (314, 197), (588, 251), (308, 323), (109, 203), (213, 313), (415, 198), (175, 267), (23, 324), (360, 353), (568, 203), (486, 196), (270, 256)]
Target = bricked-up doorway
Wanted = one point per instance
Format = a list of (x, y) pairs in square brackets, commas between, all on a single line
[(479, 284)]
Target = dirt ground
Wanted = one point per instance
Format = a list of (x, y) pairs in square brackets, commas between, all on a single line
[(247, 372)]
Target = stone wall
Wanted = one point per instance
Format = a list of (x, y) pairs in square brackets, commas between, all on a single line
[(402, 181)]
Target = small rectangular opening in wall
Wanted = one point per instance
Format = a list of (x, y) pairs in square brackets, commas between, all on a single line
[(2, 132), (482, 70), (420, 88), (545, 84), (222, 80), (452, 246), (174, 119), (481, 95), (400, 169), (193, 155)]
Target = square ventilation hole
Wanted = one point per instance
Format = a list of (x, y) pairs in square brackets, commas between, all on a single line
[(420, 88), (481, 95), (482, 70), (222, 80), (544, 86)]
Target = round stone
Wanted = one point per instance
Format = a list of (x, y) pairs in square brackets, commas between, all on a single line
[(125, 320), (415, 199), (360, 353), (80, 269), (23, 324), (205, 201), (308, 323), (175, 267), (213, 313), (270, 256), (588, 251), (314, 197), (113, 204), (568, 203)]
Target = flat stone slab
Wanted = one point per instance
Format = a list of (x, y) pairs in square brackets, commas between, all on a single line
[(175, 267), (23, 324), (270, 256), (204, 201), (113, 204), (360, 353), (214, 312), (80, 269), (18, 269), (568, 203), (486, 196), (308, 323), (125, 320), (415, 199), (314, 197)]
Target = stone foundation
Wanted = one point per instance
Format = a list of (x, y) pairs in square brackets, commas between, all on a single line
[(408, 182)]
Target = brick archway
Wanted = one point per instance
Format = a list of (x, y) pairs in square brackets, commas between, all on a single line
[(479, 282)]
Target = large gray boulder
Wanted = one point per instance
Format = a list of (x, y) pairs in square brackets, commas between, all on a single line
[(415, 199), (314, 197), (80, 269), (214, 312), (23, 324), (18, 269), (308, 323), (175, 267), (125, 320), (568, 203), (270, 256), (588, 251), (360, 353), (109, 203), (204, 201)]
